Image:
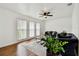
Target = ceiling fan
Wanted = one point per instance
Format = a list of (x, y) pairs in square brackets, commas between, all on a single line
[(45, 13)]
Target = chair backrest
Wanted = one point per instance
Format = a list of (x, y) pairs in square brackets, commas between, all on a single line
[(51, 33)]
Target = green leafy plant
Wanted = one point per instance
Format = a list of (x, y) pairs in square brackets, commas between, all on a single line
[(53, 44)]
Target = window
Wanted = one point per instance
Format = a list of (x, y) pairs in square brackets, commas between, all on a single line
[(24, 31), (21, 29), (37, 29), (31, 29)]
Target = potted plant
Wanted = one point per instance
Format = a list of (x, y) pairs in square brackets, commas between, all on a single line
[(53, 45)]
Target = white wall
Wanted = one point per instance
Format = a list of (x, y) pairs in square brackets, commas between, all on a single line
[(59, 24), (8, 25), (75, 20)]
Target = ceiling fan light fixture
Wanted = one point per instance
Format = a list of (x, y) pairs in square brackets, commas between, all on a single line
[(45, 10), (45, 13), (45, 16)]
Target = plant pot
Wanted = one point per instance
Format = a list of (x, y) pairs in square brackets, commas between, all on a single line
[(50, 53)]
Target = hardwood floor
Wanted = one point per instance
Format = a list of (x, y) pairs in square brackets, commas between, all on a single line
[(10, 50)]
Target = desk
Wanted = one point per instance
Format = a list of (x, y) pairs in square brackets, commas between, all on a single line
[(33, 47), (37, 49)]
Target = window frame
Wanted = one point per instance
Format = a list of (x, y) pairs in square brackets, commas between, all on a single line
[(28, 30), (31, 29), (21, 29), (38, 29)]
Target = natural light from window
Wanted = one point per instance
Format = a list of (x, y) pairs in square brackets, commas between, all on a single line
[(21, 29), (31, 29), (37, 29)]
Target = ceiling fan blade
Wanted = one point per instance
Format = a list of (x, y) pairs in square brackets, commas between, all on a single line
[(48, 12), (49, 15)]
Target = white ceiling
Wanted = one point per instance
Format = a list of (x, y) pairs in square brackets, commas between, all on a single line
[(33, 9)]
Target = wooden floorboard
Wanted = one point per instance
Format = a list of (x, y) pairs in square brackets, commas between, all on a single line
[(10, 50)]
